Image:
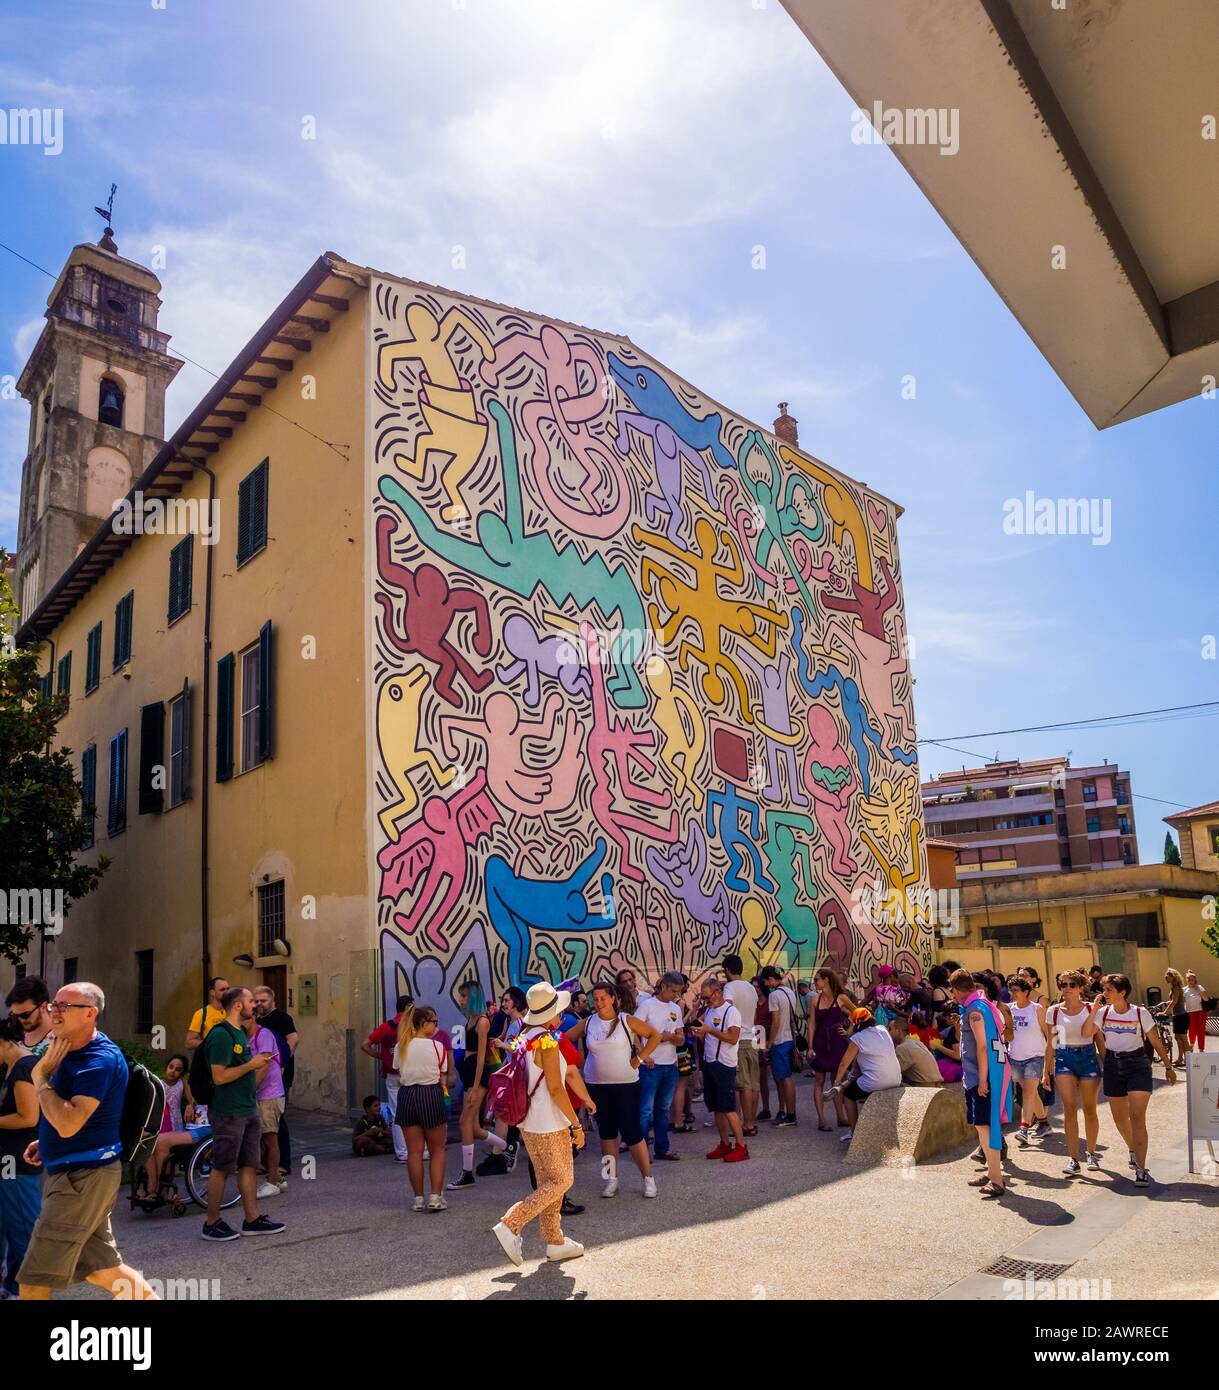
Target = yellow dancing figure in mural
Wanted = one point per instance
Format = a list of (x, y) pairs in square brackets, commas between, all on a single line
[(456, 428), (398, 737)]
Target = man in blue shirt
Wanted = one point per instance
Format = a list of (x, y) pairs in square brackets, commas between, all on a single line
[(80, 1082)]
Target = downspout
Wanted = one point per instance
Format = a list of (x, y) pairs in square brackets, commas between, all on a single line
[(204, 865), (42, 933)]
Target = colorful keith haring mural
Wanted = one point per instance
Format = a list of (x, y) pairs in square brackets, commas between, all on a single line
[(639, 682)]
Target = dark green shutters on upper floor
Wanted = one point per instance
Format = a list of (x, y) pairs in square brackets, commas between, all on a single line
[(122, 629), (151, 796), (63, 678), (224, 717), (252, 513), (93, 658), (88, 791), (266, 683), (181, 566), (116, 816)]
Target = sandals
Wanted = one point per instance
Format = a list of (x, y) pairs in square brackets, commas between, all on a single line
[(993, 1190), (982, 1181), (751, 1132), (824, 1126)]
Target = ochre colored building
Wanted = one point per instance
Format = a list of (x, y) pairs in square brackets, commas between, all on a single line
[(512, 655)]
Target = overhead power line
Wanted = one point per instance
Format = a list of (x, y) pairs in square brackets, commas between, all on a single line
[(206, 370), (1209, 708)]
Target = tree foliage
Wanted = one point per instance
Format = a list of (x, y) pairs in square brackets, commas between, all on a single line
[(41, 826), (1172, 855)]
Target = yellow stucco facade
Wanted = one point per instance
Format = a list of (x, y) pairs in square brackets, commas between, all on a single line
[(1079, 918)]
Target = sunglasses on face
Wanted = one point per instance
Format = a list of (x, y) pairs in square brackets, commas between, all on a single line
[(25, 1017)]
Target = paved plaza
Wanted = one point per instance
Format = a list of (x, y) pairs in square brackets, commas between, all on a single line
[(794, 1222)]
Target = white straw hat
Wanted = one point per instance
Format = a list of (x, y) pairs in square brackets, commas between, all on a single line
[(545, 1003)]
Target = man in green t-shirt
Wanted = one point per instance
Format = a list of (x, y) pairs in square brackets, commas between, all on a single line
[(233, 1113)]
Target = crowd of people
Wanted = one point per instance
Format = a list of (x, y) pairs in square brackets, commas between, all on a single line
[(630, 1060), (62, 1148)]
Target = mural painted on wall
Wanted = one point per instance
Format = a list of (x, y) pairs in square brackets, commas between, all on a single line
[(638, 670)]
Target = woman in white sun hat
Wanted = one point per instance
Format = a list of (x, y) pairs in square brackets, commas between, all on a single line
[(549, 1129)]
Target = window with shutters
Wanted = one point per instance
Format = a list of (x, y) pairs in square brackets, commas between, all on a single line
[(88, 792), (63, 675), (270, 916), (122, 629), (143, 992), (224, 717), (179, 738), (93, 659), (116, 816), (181, 566), (252, 513), (44, 686), (150, 796), (251, 709)]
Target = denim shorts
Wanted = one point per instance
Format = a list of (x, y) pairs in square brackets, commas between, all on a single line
[(1077, 1061), (1030, 1069), (781, 1060)]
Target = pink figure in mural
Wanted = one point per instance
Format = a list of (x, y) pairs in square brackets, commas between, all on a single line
[(612, 740), (429, 607), (879, 665), (598, 505), (830, 778), (436, 850), (515, 785)]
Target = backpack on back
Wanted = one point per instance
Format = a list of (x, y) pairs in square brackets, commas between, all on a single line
[(202, 1087), (508, 1091), (143, 1111)]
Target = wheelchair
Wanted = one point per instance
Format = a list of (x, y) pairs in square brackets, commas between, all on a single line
[(187, 1164)]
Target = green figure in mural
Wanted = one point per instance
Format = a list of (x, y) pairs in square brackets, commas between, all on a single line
[(503, 554), (782, 849), (778, 519)]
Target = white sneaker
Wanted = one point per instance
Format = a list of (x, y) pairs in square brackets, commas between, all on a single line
[(1094, 1163), (649, 1187), (283, 1184), (511, 1244), (494, 1143), (418, 1204), (610, 1189), (569, 1250), (1072, 1167), (437, 1203), (268, 1189)]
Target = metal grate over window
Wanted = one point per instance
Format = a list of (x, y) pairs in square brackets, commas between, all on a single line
[(270, 916)]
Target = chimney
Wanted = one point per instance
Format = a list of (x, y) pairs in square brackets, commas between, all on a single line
[(785, 427)]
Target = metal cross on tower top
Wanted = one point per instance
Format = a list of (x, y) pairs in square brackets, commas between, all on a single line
[(107, 213)]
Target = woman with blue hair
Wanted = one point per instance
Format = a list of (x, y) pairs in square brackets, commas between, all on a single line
[(476, 1067)]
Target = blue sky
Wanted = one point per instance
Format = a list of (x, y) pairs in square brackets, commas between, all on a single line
[(618, 164)]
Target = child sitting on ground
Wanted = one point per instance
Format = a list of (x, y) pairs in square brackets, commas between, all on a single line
[(371, 1134)]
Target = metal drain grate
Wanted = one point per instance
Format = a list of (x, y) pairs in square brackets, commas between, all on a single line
[(1008, 1267)]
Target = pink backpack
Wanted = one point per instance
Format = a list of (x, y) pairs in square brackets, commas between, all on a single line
[(508, 1093)]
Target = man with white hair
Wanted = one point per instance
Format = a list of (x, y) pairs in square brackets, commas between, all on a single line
[(80, 1082)]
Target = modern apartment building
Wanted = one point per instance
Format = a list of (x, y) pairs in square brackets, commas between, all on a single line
[(1044, 817)]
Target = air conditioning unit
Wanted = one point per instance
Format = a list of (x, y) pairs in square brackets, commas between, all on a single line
[(951, 929)]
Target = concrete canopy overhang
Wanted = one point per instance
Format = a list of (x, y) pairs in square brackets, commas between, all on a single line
[(1083, 128)]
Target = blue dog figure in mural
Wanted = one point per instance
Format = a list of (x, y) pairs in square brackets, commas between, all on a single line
[(517, 906)]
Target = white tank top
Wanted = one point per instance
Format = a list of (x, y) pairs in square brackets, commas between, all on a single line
[(1027, 1041), (1067, 1029), (544, 1115), (609, 1052)]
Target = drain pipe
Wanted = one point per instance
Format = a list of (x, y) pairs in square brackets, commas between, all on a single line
[(204, 865)]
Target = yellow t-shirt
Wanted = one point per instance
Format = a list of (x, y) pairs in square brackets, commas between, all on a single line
[(214, 1015)]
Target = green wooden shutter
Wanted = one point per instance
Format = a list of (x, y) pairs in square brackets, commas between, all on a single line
[(266, 689), (64, 677), (186, 741), (181, 566), (224, 717), (122, 629), (93, 658), (116, 817), (88, 793), (252, 512), (152, 756)]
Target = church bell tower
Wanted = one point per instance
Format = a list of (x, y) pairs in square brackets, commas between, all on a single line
[(96, 384)]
